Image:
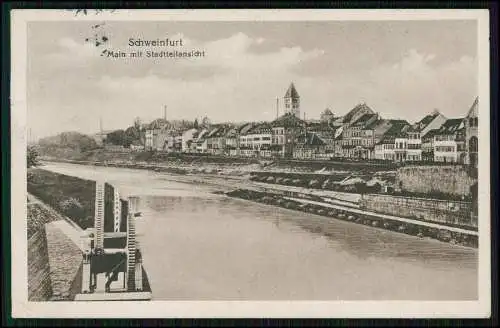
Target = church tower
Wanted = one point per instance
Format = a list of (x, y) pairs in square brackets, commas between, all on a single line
[(292, 101)]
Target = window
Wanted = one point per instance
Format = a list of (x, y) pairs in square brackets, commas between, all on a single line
[(473, 145)]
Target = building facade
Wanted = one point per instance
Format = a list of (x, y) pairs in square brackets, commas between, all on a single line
[(471, 134), (449, 142)]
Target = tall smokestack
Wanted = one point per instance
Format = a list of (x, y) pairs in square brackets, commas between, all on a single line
[(165, 112)]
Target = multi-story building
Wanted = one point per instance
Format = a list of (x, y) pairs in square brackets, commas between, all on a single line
[(356, 134), (216, 139), (233, 138), (428, 146), (449, 142), (156, 139), (327, 133), (285, 131), (471, 134), (384, 148), (415, 133), (256, 139), (187, 139), (309, 146), (401, 146), (156, 135), (200, 143), (292, 101)]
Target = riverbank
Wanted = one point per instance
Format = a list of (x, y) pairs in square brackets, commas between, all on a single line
[(442, 214), (421, 229)]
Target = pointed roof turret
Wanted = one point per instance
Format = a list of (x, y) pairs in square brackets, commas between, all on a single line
[(292, 92), (473, 110)]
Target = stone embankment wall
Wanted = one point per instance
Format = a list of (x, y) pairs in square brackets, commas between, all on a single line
[(454, 179), (454, 213), (39, 283)]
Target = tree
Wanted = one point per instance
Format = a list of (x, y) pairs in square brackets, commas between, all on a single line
[(195, 125), (73, 140), (116, 137), (32, 157), (131, 135)]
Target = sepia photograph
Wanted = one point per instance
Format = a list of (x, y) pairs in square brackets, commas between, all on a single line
[(220, 163)]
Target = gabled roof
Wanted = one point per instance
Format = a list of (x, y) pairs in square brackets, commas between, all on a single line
[(420, 125), (292, 92), (348, 117), (373, 124), (451, 126), (219, 131), (246, 128), (397, 130), (202, 135), (321, 126), (311, 139), (260, 128), (473, 110), (364, 119)]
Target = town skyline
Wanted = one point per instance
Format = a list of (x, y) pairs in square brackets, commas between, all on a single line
[(396, 71)]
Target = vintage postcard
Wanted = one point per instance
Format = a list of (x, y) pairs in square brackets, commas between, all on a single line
[(250, 163)]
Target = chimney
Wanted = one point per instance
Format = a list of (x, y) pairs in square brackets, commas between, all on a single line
[(165, 112)]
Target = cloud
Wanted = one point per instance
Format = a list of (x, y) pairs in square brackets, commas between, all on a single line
[(235, 52), (70, 51), (239, 79), (414, 85)]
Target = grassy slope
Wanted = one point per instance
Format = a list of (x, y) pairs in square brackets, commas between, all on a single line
[(70, 196)]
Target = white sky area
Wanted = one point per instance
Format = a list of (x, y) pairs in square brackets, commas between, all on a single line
[(400, 69)]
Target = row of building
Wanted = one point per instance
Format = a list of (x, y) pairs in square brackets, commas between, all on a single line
[(359, 134)]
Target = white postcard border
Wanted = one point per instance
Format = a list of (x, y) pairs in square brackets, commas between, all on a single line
[(21, 308)]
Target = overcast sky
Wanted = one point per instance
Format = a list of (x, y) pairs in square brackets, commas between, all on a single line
[(400, 69)]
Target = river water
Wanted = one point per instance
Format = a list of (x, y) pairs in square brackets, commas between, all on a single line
[(202, 246)]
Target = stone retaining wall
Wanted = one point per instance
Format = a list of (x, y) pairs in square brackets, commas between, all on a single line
[(454, 213), (454, 179)]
